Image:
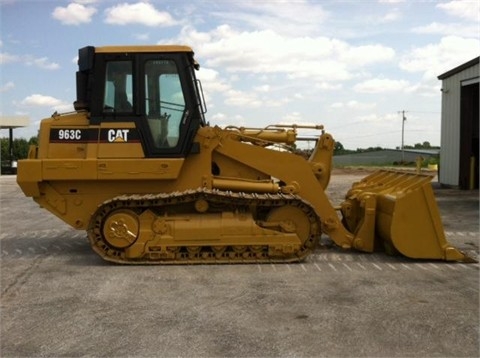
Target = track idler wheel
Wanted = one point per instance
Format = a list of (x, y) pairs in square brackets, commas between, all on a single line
[(121, 228), (291, 219)]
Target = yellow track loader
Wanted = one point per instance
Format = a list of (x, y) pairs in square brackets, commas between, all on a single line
[(137, 167)]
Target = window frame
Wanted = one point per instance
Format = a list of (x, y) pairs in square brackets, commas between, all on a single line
[(191, 120), (164, 114), (115, 94)]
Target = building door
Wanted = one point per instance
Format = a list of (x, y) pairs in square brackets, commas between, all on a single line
[(469, 128)]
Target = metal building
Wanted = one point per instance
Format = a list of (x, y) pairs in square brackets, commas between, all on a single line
[(460, 126)]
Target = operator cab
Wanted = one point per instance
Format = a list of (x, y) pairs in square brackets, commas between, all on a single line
[(153, 86)]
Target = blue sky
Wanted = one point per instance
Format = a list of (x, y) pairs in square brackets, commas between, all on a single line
[(350, 65)]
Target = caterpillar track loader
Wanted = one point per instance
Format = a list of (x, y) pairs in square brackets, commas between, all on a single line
[(137, 167)]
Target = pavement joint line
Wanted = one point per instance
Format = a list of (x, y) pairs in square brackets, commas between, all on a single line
[(348, 267), (363, 267), (392, 267), (421, 266), (462, 233), (333, 267)]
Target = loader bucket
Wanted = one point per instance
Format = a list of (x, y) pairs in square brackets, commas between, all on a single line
[(407, 218)]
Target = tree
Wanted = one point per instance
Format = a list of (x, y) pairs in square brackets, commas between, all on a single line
[(20, 148), (338, 148)]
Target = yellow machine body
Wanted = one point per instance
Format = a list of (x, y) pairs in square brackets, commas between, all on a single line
[(404, 213), (152, 182)]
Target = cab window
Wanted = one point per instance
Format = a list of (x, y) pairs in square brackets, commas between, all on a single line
[(118, 87), (165, 102)]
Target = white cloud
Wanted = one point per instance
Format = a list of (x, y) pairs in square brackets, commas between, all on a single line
[(142, 37), (262, 88), (434, 59), (212, 78), (64, 107), (142, 13), (211, 83), (381, 119), (275, 102), (86, 2), (41, 100), (465, 9), (266, 52), (218, 117), (391, 16), (354, 105), (74, 14), (426, 89), (381, 85), (366, 54), (292, 118), (222, 120), (242, 99), (458, 29), (280, 16), (42, 63), (325, 86), (8, 58), (7, 86)]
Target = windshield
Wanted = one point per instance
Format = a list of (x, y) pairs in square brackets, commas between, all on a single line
[(165, 102)]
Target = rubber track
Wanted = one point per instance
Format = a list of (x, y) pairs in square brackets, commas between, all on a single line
[(206, 255)]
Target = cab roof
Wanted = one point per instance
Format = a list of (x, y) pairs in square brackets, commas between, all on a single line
[(139, 49)]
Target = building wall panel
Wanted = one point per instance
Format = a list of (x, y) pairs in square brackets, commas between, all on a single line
[(450, 128)]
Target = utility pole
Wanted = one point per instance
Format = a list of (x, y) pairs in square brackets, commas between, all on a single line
[(403, 134)]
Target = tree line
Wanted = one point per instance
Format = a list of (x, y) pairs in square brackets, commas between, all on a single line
[(20, 148), (339, 149)]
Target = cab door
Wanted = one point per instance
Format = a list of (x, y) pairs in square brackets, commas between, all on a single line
[(166, 119)]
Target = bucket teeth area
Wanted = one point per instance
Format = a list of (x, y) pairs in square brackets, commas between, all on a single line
[(407, 219)]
